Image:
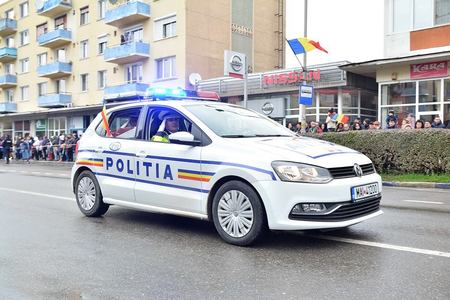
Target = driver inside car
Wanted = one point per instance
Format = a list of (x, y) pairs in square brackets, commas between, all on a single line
[(170, 124)]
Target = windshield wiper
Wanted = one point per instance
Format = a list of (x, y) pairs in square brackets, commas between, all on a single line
[(236, 136), (270, 135)]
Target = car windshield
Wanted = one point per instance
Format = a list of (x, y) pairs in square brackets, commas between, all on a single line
[(237, 122)]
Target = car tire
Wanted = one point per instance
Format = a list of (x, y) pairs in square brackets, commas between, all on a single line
[(238, 214), (89, 196)]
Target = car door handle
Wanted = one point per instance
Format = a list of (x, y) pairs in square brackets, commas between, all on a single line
[(141, 154), (99, 150)]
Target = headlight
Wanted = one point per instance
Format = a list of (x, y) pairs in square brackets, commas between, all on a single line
[(296, 172)]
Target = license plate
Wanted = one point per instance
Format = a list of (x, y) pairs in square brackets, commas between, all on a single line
[(364, 191)]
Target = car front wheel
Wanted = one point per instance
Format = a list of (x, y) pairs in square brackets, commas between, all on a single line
[(238, 214), (88, 195)]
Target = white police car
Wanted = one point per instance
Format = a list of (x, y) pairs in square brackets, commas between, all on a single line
[(223, 163)]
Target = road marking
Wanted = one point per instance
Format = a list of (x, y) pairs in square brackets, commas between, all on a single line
[(434, 190), (382, 245), (428, 202), (36, 173), (36, 194)]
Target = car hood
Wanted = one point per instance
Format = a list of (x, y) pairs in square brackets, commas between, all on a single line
[(304, 150)]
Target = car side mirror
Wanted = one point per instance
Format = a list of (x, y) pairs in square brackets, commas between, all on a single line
[(183, 138)]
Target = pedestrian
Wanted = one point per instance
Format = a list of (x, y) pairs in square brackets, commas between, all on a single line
[(419, 124), (437, 123), (391, 115), (18, 153), (376, 125), (366, 124), (25, 147), (427, 125), (7, 146), (331, 120), (356, 126), (392, 124)]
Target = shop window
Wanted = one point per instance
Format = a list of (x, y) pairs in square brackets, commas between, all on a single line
[(400, 111), (328, 98), (430, 107), (399, 93), (349, 98), (447, 90), (442, 12), (446, 113), (429, 91), (369, 100)]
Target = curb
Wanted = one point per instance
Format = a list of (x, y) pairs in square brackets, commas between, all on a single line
[(428, 185)]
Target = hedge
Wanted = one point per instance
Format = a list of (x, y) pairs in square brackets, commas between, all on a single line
[(399, 151)]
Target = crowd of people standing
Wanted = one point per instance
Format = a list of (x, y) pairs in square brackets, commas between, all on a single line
[(56, 148), (331, 124)]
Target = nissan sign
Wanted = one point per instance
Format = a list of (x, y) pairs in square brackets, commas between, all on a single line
[(267, 108), (234, 64)]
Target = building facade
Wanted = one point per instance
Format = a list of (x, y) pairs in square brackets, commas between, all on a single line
[(60, 59), (275, 93), (414, 76)]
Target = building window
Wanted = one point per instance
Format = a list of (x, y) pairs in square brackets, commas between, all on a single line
[(41, 29), (84, 82), (165, 28), (442, 12), (10, 42), (60, 22), (423, 16), (56, 126), (84, 49), (9, 69), (101, 9), (9, 95), (24, 9), (101, 79), (42, 59), (9, 14), (134, 73), (84, 15), (42, 89), (102, 43), (60, 86), (166, 67), (24, 63), (132, 35), (24, 38), (24, 91)]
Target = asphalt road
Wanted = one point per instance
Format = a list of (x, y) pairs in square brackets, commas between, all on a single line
[(49, 250)]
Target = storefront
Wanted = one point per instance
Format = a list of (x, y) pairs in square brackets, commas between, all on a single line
[(418, 85), (275, 93), (48, 123)]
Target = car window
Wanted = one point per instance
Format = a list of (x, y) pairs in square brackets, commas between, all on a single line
[(236, 122), (165, 121), (122, 123)]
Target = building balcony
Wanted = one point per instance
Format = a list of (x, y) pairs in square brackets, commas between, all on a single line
[(127, 13), (127, 53), (8, 107), (8, 81), (7, 27), (56, 38), (53, 8), (54, 100), (8, 54), (55, 70), (125, 91)]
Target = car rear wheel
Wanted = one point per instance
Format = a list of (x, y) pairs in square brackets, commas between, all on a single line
[(238, 214), (88, 195)]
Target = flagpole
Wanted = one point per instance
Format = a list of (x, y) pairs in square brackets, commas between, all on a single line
[(301, 107)]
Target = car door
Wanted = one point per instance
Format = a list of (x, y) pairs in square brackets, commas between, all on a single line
[(117, 154), (169, 174)]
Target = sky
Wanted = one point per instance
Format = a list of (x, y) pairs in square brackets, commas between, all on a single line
[(348, 29)]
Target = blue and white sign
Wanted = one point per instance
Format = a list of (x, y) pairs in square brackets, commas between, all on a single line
[(306, 95)]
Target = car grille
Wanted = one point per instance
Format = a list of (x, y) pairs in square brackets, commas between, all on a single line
[(346, 212), (347, 172)]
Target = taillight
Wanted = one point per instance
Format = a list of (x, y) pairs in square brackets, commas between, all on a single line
[(76, 148)]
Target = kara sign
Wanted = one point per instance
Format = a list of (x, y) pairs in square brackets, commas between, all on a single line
[(428, 70), (293, 77)]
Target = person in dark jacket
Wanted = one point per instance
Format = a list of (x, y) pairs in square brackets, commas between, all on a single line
[(7, 146), (437, 123)]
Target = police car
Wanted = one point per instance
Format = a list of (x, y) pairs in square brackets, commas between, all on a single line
[(223, 163)]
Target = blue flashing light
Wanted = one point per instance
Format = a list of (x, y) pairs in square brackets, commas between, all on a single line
[(165, 93)]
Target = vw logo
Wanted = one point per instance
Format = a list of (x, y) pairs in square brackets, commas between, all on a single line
[(267, 108), (236, 63), (358, 170)]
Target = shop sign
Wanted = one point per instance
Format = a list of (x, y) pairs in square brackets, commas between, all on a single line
[(293, 77), (428, 70), (234, 64), (41, 125)]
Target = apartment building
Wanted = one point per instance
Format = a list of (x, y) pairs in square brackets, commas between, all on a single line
[(413, 77), (60, 60)]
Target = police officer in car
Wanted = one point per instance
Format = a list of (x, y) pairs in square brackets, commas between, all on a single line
[(170, 124)]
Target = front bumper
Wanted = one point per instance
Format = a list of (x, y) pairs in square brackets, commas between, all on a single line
[(280, 197)]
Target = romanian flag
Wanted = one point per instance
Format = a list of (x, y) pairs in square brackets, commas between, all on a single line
[(105, 121), (303, 45), (342, 119)]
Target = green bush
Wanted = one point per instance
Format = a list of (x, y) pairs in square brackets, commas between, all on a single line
[(400, 151)]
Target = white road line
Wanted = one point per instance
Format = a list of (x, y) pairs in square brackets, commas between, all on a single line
[(428, 202), (382, 245), (36, 194)]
